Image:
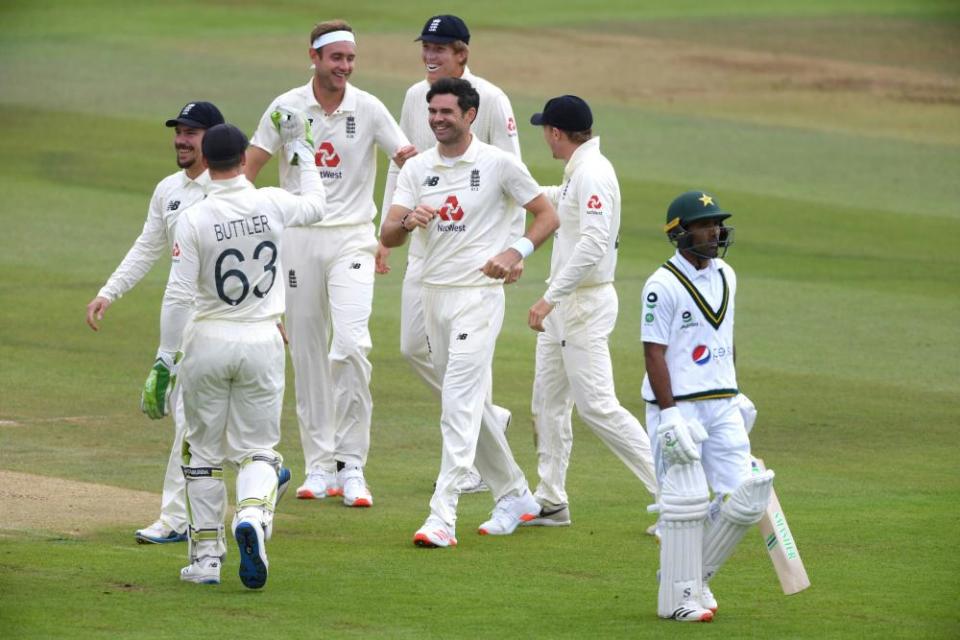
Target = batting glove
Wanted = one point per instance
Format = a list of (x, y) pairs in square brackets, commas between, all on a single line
[(295, 133), (155, 399), (679, 438)]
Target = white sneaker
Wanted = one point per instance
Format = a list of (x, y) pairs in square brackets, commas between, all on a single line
[(472, 483), (354, 487), (203, 571), (159, 533), (253, 553), (508, 513), (318, 485), (550, 515), (707, 599), (434, 534), (691, 611)]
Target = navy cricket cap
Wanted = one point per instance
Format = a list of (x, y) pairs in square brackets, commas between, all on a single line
[(202, 115), (223, 142), (444, 30), (569, 113)]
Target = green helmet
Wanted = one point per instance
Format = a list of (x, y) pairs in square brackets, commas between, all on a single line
[(690, 207)]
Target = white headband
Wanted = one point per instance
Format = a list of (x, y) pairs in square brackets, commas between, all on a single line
[(333, 36)]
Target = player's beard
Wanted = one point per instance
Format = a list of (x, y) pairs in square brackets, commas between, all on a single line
[(191, 160)]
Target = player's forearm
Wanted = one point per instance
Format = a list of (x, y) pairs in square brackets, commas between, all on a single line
[(388, 189), (587, 253), (545, 220), (255, 159), (139, 260), (394, 232), (658, 374), (173, 319)]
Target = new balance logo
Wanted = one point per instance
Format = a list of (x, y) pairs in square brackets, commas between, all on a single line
[(173, 205), (354, 265), (462, 336), (431, 181), (292, 277)]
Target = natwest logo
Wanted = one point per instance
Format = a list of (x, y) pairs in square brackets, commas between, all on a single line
[(327, 155), (450, 210), (594, 202)]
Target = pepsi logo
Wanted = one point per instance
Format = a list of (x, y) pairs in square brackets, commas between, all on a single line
[(701, 354)]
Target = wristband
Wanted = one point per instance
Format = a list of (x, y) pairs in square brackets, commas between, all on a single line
[(523, 246), (403, 222)]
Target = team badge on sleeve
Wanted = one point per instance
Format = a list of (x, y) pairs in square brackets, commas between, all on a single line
[(595, 205), (511, 126), (176, 250)]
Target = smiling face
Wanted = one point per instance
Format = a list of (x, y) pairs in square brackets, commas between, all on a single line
[(187, 141), (442, 60), (333, 65), (447, 121)]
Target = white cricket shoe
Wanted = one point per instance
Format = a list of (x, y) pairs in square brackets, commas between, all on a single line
[(691, 611), (508, 513), (434, 534), (318, 485), (707, 599), (550, 515), (472, 483), (159, 533), (253, 553), (354, 487), (203, 571)]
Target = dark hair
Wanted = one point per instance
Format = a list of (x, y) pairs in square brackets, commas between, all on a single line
[(467, 96)]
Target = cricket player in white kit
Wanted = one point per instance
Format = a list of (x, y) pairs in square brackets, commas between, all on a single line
[(330, 265), (173, 195), (444, 50), (693, 414), (225, 276), (458, 196), (577, 314)]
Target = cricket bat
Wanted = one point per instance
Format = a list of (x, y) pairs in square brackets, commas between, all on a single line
[(781, 546)]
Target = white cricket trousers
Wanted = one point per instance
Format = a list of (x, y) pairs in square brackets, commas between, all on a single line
[(233, 374), (173, 505), (573, 367), (725, 454), (330, 273), (414, 345), (463, 324)]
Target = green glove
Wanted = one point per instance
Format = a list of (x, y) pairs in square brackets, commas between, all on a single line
[(296, 136), (155, 399)]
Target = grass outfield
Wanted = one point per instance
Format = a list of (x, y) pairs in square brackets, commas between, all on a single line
[(830, 129)]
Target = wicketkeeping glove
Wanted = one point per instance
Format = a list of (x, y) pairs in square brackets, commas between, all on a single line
[(295, 133), (155, 399), (679, 437)]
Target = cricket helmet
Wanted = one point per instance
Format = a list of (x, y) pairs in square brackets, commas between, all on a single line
[(692, 206)]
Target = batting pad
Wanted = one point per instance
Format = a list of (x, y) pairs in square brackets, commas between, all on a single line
[(206, 507), (742, 509), (684, 501), (257, 492)]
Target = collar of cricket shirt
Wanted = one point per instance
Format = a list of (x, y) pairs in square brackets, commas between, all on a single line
[(580, 155)]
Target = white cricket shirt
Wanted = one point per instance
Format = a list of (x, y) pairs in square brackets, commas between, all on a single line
[(346, 143), (494, 124), (474, 199), (172, 195), (693, 316), (226, 256), (588, 204)]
